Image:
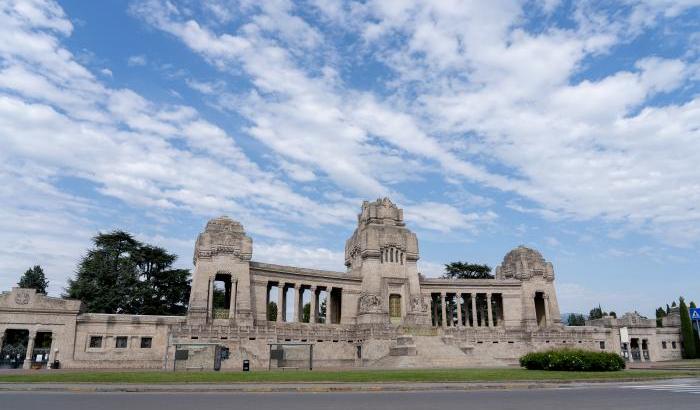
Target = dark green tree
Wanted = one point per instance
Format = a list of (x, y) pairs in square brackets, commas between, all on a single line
[(306, 313), (695, 331), (576, 319), (597, 313), (689, 351), (271, 311), (122, 275), (660, 314), (161, 290), (466, 270), (34, 278), (613, 314), (107, 277)]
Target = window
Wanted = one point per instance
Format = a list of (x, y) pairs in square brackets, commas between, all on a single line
[(663, 344), (673, 345), (146, 342), (95, 342), (602, 344), (395, 306), (121, 342)]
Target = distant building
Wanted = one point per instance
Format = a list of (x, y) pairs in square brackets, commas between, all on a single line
[(380, 312)]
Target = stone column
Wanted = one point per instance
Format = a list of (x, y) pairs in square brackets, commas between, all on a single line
[(297, 299), (443, 309), (548, 316), (280, 302), (489, 310), (210, 303), (2, 338), (30, 348), (329, 305), (474, 322), (459, 310), (232, 302), (313, 310)]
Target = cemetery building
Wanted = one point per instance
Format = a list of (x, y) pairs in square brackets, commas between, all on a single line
[(379, 312)]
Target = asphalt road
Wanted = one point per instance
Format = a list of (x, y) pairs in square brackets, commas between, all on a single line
[(657, 396)]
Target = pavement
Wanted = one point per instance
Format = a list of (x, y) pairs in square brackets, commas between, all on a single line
[(674, 394)]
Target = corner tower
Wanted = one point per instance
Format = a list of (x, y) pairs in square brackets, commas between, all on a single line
[(222, 253), (384, 253), (538, 296)]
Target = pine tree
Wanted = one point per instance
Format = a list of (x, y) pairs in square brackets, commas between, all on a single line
[(34, 278), (695, 331), (689, 351)]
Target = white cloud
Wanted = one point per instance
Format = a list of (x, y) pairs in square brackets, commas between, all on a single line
[(137, 60)]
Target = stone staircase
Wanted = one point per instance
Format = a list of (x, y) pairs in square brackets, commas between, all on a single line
[(428, 351)]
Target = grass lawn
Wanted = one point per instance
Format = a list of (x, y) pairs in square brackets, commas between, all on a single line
[(357, 376)]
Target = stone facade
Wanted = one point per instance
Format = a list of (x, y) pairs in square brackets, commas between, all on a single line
[(380, 312)]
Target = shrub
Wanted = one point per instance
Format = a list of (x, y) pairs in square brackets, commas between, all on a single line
[(573, 360)]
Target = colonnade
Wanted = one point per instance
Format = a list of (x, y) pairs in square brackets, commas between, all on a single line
[(333, 302), (488, 321)]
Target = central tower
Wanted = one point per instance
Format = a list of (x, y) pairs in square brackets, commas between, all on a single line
[(385, 254)]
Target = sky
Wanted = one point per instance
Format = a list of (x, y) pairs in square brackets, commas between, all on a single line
[(570, 127)]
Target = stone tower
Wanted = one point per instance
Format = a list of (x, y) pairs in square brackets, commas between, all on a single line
[(222, 253), (384, 253), (538, 297)]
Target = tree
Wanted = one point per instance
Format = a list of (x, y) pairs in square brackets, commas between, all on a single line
[(612, 314), (597, 313), (34, 278), (576, 319), (122, 275), (687, 332), (660, 314), (271, 311), (306, 313), (695, 331), (466, 270)]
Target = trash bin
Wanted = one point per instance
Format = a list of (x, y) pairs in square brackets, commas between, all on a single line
[(246, 365), (56, 364)]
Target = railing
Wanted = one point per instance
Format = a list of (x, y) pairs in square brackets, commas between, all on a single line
[(220, 313)]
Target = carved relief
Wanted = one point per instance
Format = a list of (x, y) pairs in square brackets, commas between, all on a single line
[(370, 303), (22, 298), (420, 303)]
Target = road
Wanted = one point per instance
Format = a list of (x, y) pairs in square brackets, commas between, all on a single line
[(662, 395)]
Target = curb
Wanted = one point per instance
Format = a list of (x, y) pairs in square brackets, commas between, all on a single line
[(306, 388)]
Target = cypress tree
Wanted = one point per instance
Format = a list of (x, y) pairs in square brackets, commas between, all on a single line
[(34, 278), (687, 332)]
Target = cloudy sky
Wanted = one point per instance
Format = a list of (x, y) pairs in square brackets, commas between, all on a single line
[(573, 128)]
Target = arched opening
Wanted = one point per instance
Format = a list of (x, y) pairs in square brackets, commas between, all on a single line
[(395, 308), (540, 310)]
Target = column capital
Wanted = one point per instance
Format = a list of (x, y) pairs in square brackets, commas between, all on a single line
[(443, 293)]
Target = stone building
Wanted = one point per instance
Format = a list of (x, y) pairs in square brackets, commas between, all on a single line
[(380, 312)]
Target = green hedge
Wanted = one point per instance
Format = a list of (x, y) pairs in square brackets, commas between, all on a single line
[(572, 360)]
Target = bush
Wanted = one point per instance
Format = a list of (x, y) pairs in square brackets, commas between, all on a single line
[(573, 360)]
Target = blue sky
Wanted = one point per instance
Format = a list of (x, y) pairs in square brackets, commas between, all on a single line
[(571, 127)]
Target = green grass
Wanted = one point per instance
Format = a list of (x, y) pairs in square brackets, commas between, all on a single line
[(352, 376)]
